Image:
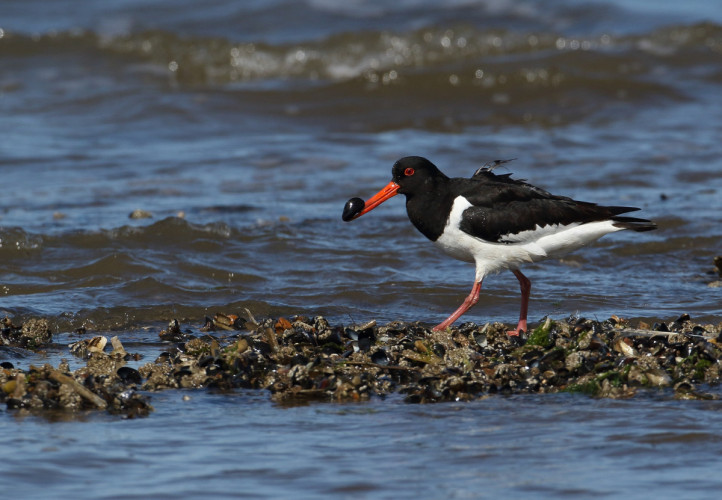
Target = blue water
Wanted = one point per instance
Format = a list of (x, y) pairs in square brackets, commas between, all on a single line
[(236, 446), (243, 127)]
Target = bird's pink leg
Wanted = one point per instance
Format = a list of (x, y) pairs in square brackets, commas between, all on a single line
[(472, 299), (525, 285)]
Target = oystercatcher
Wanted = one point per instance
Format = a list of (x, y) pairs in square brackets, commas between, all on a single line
[(494, 221)]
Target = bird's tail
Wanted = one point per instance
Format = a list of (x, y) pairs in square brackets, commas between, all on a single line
[(634, 224)]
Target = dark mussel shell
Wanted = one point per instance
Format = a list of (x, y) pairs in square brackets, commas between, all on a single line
[(129, 375), (352, 208)]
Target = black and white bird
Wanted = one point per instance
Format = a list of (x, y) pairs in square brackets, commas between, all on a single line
[(494, 221)]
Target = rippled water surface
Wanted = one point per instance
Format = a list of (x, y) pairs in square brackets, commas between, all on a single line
[(241, 128), (236, 446)]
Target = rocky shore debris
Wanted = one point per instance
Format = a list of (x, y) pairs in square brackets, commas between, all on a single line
[(303, 359), (32, 334), (139, 213), (308, 359), (105, 383), (716, 272)]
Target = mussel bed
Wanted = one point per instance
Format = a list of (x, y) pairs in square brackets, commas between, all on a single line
[(304, 359)]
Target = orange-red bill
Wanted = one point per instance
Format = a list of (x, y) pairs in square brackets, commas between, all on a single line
[(389, 191)]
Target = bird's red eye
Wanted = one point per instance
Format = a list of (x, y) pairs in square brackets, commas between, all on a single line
[(409, 172)]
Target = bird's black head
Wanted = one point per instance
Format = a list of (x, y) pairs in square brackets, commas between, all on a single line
[(410, 175), (415, 174)]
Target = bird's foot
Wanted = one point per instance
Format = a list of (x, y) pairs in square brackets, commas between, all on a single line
[(521, 327)]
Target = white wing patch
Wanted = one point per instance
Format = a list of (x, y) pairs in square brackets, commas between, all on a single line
[(531, 235), (569, 238)]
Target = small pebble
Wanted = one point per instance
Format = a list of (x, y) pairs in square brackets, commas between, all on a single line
[(140, 214)]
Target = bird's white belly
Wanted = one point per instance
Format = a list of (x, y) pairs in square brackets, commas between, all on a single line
[(489, 257)]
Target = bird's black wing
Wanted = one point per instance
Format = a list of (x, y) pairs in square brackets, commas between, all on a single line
[(502, 207)]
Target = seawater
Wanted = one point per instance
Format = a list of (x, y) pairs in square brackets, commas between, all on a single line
[(242, 128)]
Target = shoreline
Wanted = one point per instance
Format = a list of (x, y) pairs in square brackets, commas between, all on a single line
[(307, 359)]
